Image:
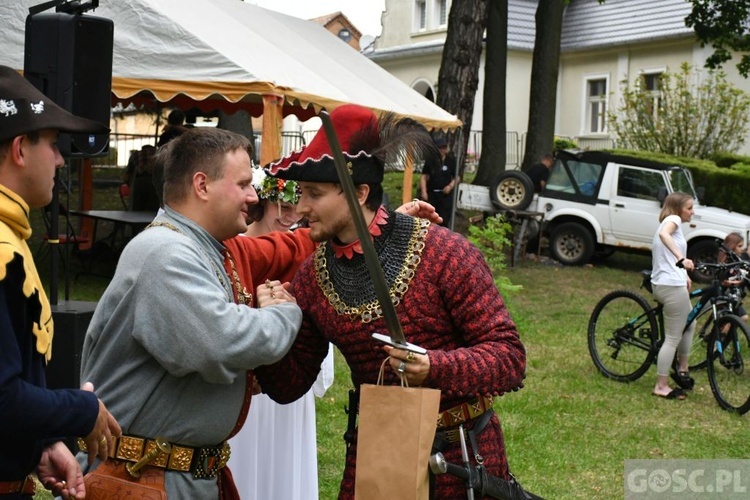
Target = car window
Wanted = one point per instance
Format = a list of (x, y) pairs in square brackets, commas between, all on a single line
[(680, 181), (581, 174), (558, 179), (639, 183)]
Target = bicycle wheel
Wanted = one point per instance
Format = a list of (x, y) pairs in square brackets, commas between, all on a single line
[(729, 377), (622, 336)]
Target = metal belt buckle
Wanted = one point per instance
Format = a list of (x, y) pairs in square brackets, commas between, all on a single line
[(210, 460)]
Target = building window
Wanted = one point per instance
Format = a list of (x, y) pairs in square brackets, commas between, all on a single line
[(420, 15), (442, 12), (431, 14), (596, 112), (651, 85)]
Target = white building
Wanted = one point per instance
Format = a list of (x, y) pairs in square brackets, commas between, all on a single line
[(602, 45)]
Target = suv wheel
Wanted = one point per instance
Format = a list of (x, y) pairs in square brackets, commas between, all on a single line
[(572, 244), (511, 190)]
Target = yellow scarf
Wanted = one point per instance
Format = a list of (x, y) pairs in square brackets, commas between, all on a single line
[(14, 231)]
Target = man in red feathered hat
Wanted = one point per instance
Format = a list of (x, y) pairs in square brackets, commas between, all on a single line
[(443, 290)]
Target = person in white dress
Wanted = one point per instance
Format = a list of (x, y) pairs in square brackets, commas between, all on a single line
[(275, 453)]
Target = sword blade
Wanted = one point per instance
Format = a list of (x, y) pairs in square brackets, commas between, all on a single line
[(371, 257)]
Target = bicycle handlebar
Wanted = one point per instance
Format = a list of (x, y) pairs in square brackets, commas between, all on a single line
[(722, 267)]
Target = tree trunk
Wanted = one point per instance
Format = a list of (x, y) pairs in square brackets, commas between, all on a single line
[(459, 69), (540, 134), (493, 158)]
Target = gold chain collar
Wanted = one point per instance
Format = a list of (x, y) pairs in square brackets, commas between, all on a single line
[(371, 310)]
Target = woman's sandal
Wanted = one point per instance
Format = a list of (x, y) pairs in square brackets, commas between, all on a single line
[(677, 393), (684, 380)]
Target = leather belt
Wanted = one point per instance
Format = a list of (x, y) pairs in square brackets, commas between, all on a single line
[(202, 462), (464, 412), (24, 486)]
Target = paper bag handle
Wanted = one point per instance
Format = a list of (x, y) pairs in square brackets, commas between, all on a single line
[(404, 382)]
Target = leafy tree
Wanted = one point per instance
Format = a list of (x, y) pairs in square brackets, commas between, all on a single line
[(493, 156), (724, 25), (458, 78), (694, 114)]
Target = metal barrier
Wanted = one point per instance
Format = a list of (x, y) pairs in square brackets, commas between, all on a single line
[(121, 146), (290, 142), (474, 151), (515, 147)]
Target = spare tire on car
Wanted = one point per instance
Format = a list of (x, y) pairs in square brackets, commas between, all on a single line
[(511, 190)]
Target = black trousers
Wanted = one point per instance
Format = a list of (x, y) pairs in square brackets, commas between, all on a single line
[(443, 204)]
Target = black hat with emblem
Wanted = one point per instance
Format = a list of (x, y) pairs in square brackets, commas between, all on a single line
[(24, 109)]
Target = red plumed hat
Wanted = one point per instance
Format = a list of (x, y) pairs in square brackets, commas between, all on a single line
[(365, 141)]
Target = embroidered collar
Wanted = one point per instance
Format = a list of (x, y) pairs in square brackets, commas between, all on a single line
[(348, 251), (14, 231)]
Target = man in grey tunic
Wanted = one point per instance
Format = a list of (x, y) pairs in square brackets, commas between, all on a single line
[(168, 347)]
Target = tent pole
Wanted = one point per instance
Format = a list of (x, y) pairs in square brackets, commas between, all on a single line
[(270, 143)]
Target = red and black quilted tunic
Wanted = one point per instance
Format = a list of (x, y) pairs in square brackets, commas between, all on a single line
[(452, 308)]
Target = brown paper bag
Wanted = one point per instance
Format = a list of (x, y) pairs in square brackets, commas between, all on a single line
[(394, 439)]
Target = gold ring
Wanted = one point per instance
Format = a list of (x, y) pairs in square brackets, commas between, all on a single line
[(64, 483), (273, 295), (103, 441), (410, 357)]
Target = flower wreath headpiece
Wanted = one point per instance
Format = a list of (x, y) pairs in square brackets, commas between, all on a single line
[(273, 189)]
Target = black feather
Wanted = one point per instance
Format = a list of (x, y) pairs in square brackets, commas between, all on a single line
[(391, 139)]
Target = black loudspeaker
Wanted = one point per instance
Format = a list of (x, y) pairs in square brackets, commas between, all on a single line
[(71, 319), (68, 57)]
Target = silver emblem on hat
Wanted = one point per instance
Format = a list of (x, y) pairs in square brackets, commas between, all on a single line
[(8, 107), (37, 108)]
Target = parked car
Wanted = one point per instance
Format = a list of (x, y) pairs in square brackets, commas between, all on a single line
[(599, 202)]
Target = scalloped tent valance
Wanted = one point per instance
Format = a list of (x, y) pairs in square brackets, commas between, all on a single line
[(231, 55)]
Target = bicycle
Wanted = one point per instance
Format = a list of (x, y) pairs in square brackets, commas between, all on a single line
[(625, 334)]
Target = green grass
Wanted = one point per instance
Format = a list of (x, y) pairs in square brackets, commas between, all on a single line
[(569, 430)]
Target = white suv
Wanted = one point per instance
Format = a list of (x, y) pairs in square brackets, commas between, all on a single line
[(598, 202)]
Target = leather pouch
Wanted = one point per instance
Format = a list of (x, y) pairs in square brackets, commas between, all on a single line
[(110, 481)]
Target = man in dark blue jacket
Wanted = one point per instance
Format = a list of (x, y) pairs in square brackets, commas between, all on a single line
[(33, 419)]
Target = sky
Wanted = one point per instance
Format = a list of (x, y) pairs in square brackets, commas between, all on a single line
[(364, 14)]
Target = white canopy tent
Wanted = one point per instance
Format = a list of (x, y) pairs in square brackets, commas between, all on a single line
[(228, 54)]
